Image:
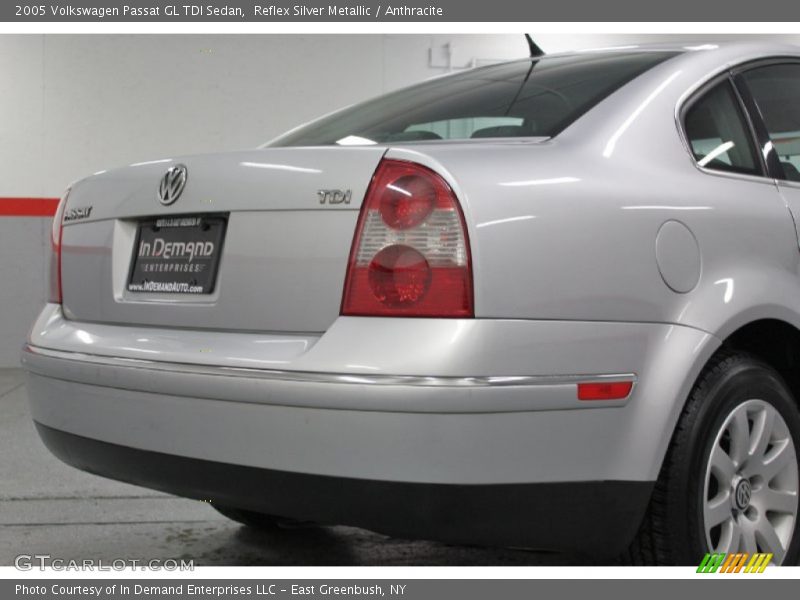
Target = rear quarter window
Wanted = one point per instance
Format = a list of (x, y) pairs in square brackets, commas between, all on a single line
[(718, 133)]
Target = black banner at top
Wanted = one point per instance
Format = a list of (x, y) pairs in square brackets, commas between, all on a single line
[(397, 11)]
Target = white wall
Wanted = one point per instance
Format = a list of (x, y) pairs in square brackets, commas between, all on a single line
[(72, 105)]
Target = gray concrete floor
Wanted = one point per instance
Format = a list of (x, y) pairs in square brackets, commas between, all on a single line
[(47, 507)]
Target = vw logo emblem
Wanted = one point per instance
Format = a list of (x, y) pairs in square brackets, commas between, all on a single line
[(172, 184), (743, 493)]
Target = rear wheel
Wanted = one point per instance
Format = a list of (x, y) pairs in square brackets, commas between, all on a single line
[(751, 483), (261, 521), (729, 482)]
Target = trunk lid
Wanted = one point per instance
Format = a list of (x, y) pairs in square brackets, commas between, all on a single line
[(283, 259)]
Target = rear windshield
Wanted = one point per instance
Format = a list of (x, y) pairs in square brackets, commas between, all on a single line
[(529, 98)]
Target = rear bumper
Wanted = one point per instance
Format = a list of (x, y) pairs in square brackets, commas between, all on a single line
[(311, 427), (456, 430), (591, 516)]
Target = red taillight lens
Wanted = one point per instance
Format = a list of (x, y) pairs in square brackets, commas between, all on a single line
[(407, 202), (54, 292), (410, 255), (616, 390), (399, 276)]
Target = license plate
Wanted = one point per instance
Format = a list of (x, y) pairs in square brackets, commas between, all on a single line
[(177, 255)]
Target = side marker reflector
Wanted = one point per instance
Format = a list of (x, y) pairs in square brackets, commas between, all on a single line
[(611, 390)]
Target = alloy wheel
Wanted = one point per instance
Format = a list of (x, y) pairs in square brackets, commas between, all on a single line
[(750, 497)]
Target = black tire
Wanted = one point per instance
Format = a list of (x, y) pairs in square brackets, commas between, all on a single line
[(261, 521), (672, 532)]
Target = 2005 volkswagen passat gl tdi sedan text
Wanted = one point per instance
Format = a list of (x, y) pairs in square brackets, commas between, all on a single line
[(552, 303)]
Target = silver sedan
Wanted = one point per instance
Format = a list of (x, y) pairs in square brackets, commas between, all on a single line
[(552, 303)]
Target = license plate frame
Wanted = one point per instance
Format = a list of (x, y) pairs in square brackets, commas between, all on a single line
[(177, 255)]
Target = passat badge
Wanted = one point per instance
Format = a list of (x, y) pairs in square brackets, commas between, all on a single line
[(78, 213), (172, 184)]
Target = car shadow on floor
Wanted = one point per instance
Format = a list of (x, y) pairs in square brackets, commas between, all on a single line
[(346, 546)]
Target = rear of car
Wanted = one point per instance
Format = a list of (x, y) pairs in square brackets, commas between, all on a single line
[(329, 328)]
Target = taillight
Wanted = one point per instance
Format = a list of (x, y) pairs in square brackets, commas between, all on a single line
[(54, 294), (410, 255)]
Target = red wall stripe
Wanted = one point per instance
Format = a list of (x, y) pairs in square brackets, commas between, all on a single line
[(28, 207)]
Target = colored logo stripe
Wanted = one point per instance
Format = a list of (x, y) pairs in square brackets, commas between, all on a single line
[(710, 563), (758, 563), (28, 207), (734, 563)]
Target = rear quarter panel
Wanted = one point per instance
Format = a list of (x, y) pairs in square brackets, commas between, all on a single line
[(566, 229)]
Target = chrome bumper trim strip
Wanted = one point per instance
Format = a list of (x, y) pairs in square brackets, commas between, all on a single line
[(318, 377)]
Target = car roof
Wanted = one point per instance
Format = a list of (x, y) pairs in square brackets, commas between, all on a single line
[(743, 47)]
